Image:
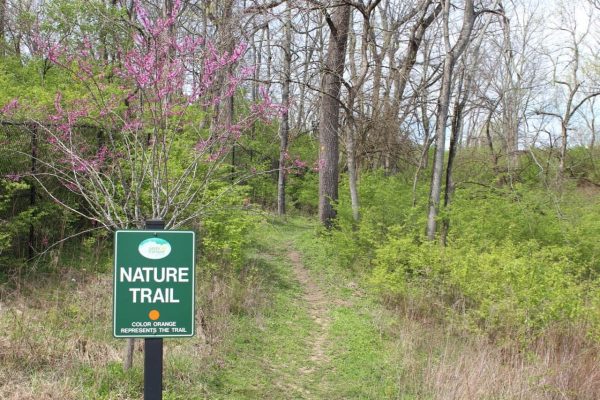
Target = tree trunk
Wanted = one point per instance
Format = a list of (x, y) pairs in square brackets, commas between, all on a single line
[(563, 148), (351, 155), (284, 128), (329, 114), (423, 161), (457, 122), (440, 142), (403, 74), (593, 129), (129, 350), (452, 53), (2, 28)]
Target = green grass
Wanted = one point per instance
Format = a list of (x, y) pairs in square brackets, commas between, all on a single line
[(264, 358), (365, 359), (257, 339), (258, 319)]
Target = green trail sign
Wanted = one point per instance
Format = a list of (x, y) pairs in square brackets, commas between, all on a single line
[(153, 293)]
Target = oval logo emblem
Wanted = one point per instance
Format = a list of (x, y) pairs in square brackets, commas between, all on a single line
[(154, 248)]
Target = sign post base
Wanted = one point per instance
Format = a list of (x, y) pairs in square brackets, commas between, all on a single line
[(153, 369)]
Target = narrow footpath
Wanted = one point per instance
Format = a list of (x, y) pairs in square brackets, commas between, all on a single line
[(317, 306), (319, 338)]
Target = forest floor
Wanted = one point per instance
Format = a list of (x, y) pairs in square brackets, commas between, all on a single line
[(290, 324)]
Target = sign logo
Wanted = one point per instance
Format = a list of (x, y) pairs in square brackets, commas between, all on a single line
[(154, 248)]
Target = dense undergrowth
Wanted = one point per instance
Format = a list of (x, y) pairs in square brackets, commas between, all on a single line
[(55, 316), (497, 313), (522, 257)]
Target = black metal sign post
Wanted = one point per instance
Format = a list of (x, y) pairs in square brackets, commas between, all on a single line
[(153, 348)]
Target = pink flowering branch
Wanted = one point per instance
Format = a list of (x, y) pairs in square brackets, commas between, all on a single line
[(9, 108), (142, 106)]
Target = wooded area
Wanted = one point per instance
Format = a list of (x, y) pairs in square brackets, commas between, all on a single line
[(447, 149)]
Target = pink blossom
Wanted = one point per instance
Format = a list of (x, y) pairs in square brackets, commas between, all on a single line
[(57, 105), (10, 107), (138, 39), (202, 145), (247, 71), (157, 88), (142, 15), (54, 52), (132, 126), (101, 156), (85, 67), (319, 165), (13, 177), (238, 52), (86, 43), (299, 163), (218, 154)]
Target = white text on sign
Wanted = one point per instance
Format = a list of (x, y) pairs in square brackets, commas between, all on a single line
[(153, 275)]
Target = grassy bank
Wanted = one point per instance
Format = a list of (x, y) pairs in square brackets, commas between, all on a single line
[(287, 323)]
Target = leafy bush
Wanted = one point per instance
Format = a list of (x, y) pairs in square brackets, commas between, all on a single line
[(519, 258), (492, 214), (582, 164), (303, 191), (507, 290), (386, 204), (223, 231)]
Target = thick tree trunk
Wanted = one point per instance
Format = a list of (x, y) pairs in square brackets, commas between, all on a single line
[(284, 128), (329, 114)]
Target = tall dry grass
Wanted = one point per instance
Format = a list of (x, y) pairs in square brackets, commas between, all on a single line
[(443, 362), (54, 326), (444, 358), (479, 370)]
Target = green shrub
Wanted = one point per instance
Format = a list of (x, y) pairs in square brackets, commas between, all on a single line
[(516, 289), (519, 259), (507, 290), (386, 202), (303, 191), (223, 231)]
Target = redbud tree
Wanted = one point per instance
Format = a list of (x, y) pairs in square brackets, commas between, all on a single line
[(152, 157)]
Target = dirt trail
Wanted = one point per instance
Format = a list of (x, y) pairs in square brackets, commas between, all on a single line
[(317, 309)]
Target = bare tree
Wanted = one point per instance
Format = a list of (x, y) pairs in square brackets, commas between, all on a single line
[(574, 89), (452, 53), (2, 28), (354, 87)]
